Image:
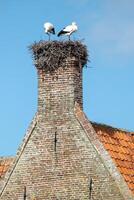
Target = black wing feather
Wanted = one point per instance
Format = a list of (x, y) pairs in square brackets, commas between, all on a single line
[(62, 32), (53, 31)]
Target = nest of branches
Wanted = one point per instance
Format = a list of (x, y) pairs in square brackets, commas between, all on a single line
[(49, 55)]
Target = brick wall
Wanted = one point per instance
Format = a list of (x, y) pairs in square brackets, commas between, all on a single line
[(59, 90), (57, 160)]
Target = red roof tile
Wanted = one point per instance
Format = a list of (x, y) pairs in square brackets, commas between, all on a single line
[(4, 165), (120, 145)]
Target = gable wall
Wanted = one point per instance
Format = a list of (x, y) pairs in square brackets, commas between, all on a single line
[(64, 174)]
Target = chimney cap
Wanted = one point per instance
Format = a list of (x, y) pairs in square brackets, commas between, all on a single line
[(49, 55)]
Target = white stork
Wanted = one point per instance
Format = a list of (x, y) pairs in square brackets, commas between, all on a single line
[(49, 29), (68, 30)]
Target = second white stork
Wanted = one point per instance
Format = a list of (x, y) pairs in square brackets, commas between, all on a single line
[(49, 29), (68, 30)]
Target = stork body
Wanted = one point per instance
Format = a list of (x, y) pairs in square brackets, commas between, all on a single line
[(49, 29), (68, 30)]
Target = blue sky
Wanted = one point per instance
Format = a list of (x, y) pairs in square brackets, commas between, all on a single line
[(107, 28)]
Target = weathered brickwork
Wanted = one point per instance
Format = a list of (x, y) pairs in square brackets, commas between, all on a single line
[(57, 159), (120, 145)]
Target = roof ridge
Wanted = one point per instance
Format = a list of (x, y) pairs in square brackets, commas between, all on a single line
[(6, 157), (112, 127)]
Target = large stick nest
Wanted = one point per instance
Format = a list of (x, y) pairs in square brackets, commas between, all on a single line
[(49, 55)]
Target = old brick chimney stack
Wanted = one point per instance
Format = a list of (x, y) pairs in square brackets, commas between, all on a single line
[(60, 86), (59, 158), (60, 89)]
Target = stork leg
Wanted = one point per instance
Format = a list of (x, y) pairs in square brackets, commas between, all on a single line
[(69, 37), (49, 36)]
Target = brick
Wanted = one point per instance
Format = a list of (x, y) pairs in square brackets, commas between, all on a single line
[(58, 157)]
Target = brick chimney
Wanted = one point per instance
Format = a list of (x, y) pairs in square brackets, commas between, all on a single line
[(59, 90), (59, 85)]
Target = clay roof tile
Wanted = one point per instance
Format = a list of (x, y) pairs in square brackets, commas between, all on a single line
[(120, 145), (4, 165)]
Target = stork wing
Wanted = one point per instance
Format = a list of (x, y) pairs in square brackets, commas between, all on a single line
[(68, 28)]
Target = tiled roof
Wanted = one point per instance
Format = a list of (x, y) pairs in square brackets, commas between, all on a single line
[(116, 149), (120, 145), (4, 165)]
